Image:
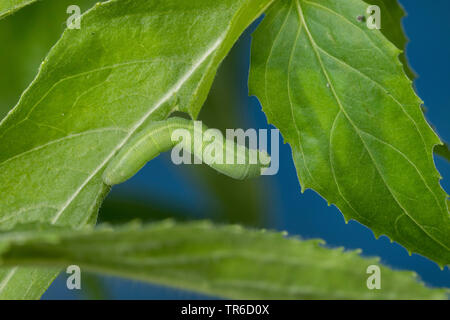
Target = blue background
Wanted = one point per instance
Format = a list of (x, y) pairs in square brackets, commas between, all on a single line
[(427, 26)]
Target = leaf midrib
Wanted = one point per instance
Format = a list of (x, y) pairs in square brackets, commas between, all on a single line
[(171, 92)]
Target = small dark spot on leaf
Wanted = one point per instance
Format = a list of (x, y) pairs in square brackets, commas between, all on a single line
[(361, 18)]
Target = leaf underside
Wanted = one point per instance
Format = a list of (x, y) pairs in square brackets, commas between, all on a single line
[(131, 63), (227, 261), (443, 151), (341, 99), (47, 93)]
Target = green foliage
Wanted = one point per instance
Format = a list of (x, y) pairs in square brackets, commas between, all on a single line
[(392, 14), (226, 261), (8, 7), (339, 95), (334, 88), (158, 137), (29, 35), (96, 89), (443, 151)]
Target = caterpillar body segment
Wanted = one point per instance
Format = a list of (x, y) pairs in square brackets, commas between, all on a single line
[(236, 161)]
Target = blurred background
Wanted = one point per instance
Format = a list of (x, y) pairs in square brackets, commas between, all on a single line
[(162, 190)]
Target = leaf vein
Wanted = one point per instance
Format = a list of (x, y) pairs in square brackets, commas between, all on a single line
[(314, 46), (58, 141)]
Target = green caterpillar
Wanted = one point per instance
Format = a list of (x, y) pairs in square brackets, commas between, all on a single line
[(158, 138)]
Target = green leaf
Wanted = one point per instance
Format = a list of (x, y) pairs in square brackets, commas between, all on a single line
[(29, 34), (227, 261), (339, 95), (8, 7), (132, 62), (443, 151), (392, 14)]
